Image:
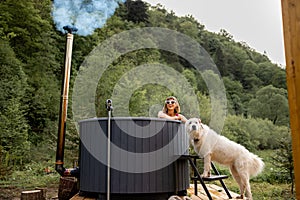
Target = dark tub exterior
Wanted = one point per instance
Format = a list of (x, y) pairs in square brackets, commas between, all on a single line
[(144, 157)]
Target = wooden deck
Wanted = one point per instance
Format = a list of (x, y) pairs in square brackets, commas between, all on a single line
[(77, 197), (215, 191)]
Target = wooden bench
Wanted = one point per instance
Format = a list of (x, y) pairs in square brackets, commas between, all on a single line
[(197, 176)]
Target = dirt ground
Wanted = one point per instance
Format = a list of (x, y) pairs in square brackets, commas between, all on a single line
[(11, 193)]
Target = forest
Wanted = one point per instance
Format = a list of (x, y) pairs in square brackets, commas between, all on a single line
[(32, 61)]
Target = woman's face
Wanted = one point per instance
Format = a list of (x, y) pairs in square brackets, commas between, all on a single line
[(171, 103)]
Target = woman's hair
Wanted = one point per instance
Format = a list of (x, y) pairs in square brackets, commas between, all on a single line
[(176, 110)]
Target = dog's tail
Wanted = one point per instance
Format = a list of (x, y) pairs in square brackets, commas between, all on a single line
[(256, 165)]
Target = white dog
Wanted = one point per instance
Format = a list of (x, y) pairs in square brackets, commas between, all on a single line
[(214, 147)]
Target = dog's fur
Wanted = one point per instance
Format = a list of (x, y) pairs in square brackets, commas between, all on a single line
[(174, 197), (214, 147)]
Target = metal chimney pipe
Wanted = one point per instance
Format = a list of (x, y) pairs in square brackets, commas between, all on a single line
[(64, 103)]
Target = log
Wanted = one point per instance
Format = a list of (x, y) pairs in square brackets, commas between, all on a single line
[(32, 195), (67, 188), (44, 192)]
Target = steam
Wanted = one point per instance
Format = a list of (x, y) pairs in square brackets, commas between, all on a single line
[(86, 15)]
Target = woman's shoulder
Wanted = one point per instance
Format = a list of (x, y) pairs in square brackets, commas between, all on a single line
[(181, 115)]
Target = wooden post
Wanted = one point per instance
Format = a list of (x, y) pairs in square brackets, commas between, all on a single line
[(291, 29)]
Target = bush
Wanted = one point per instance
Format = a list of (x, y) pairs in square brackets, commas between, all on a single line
[(254, 134)]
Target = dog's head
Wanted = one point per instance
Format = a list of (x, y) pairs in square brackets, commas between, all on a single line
[(194, 128)]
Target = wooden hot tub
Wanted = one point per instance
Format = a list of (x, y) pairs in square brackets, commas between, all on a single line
[(144, 158)]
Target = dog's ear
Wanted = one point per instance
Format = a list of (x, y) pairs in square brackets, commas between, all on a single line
[(199, 121)]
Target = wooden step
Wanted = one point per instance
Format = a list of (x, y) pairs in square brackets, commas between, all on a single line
[(216, 192), (211, 178)]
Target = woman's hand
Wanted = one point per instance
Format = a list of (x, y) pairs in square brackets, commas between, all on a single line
[(181, 118), (177, 117)]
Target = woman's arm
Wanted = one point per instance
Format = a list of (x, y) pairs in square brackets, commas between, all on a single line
[(182, 118), (161, 114), (177, 117)]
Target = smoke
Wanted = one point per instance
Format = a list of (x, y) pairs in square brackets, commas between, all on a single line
[(86, 15)]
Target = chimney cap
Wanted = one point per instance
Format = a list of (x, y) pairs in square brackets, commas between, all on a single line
[(70, 29)]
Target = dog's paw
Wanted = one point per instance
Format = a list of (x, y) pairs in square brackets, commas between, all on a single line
[(205, 175), (240, 197)]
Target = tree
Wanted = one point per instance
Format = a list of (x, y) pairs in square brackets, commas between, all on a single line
[(190, 76), (282, 159), (14, 145), (279, 78), (35, 43), (204, 107), (250, 81), (270, 103), (235, 131), (188, 26), (234, 93), (265, 72), (236, 59), (226, 35), (157, 17), (136, 11), (253, 133)]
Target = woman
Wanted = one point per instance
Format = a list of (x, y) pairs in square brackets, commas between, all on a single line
[(171, 110)]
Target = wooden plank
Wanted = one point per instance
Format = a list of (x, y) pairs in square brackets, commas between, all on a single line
[(216, 192), (215, 177), (77, 197), (291, 29)]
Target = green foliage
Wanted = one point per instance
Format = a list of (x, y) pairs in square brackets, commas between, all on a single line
[(5, 168), (147, 101), (282, 159), (270, 103), (135, 11), (270, 75), (250, 81), (253, 133), (234, 94), (189, 26), (14, 145), (27, 28), (108, 81), (35, 174), (204, 107), (190, 76)]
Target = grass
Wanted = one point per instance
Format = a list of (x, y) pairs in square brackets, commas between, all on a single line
[(32, 176), (262, 190)]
